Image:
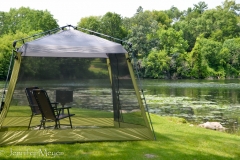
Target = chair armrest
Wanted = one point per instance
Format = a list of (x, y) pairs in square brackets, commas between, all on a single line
[(58, 110), (55, 104), (62, 108)]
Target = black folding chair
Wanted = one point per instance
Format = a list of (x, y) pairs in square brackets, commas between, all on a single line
[(49, 112)]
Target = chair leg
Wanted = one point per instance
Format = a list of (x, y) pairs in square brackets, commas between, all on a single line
[(70, 121), (41, 124), (57, 125), (69, 118), (30, 121), (44, 124), (43, 121)]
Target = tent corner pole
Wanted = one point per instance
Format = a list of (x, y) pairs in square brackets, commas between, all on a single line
[(5, 86)]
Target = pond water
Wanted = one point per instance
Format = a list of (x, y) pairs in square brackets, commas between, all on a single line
[(197, 101)]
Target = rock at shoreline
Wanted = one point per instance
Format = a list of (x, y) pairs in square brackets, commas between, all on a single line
[(213, 125)]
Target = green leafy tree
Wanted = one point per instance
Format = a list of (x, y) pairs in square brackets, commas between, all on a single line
[(206, 60), (230, 5), (199, 69), (172, 42), (189, 31), (142, 28), (218, 24), (6, 51), (26, 20), (174, 13), (210, 50), (230, 57), (111, 24), (200, 7), (157, 64), (184, 65), (162, 18), (92, 23)]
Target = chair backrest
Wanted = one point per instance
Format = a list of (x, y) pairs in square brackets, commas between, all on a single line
[(44, 104), (31, 100)]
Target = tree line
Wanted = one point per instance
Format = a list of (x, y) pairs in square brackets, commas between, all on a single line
[(194, 43)]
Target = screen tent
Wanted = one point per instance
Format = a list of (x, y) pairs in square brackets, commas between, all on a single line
[(100, 86)]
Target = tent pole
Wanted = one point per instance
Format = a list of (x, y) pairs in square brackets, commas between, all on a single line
[(145, 103), (11, 87), (139, 96), (5, 86), (109, 70)]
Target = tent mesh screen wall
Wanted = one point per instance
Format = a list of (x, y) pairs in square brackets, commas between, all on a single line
[(93, 102)]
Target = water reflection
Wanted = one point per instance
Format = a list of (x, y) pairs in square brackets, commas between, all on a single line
[(197, 101)]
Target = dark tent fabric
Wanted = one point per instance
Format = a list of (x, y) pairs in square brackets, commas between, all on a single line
[(71, 43)]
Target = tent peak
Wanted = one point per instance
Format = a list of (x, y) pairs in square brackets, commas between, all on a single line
[(71, 43), (55, 30)]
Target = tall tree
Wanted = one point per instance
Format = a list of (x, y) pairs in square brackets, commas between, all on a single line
[(174, 13), (6, 50), (92, 23), (206, 60), (26, 20), (162, 18), (157, 64), (111, 24), (230, 5), (229, 57), (200, 7), (142, 28), (172, 42), (220, 24)]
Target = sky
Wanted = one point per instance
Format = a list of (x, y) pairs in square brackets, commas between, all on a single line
[(71, 11)]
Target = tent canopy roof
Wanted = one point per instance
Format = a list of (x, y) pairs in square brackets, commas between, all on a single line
[(71, 43)]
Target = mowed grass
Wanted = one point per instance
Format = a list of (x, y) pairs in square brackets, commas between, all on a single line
[(176, 139)]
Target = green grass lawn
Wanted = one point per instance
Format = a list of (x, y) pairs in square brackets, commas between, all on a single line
[(176, 139)]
